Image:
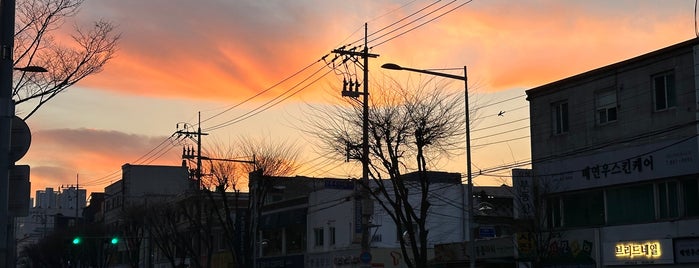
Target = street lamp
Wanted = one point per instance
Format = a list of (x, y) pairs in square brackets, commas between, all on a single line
[(471, 246), (31, 69)]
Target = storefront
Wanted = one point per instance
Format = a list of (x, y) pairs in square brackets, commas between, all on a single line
[(668, 252)]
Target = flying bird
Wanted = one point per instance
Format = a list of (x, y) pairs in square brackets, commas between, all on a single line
[(501, 113)]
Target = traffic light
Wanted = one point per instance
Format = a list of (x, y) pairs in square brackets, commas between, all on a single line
[(77, 240), (114, 240)]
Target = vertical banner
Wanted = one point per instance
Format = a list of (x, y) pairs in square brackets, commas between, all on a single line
[(523, 185)]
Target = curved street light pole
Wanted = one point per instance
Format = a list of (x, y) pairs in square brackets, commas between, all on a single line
[(471, 234)]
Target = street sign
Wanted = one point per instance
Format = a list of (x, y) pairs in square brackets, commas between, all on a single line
[(20, 188), (20, 139)]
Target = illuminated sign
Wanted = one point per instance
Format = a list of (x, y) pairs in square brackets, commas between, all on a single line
[(634, 250), (639, 252)]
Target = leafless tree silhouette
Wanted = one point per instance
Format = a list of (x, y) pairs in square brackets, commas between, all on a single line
[(68, 60), (409, 127)]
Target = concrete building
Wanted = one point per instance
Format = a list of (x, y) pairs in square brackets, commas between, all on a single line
[(493, 232), (139, 186), (71, 201), (316, 222), (615, 155), (45, 198), (140, 182)]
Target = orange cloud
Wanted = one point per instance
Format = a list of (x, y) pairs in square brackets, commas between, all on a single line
[(230, 50)]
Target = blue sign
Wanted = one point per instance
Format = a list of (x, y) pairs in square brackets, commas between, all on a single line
[(365, 257)]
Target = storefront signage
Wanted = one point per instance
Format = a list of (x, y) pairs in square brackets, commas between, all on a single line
[(639, 252), (524, 189), (633, 164), (687, 250)]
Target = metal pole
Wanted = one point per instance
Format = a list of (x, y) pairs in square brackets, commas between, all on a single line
[(7, 19), (469, 229), (471, 232)]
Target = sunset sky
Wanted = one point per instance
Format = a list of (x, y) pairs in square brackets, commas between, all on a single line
[(179, 57)]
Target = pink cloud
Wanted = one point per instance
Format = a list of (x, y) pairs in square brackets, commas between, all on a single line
[(60, 155)]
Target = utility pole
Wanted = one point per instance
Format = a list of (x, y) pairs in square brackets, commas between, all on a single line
[(367, 205), (189, 134), (7, 111)]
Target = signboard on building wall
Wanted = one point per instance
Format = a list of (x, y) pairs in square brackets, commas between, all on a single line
[(523, 185), (687, 250), (639, 252), (658, 160)]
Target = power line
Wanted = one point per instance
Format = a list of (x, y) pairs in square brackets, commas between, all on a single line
[(261, 92), (420, 25), (270, 103), (153, 155)]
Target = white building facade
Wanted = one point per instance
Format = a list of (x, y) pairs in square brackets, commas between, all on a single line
[(334, 224)]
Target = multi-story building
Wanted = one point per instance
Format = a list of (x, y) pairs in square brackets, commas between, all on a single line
[(49, 205), (71, 201), (45, 198), (139, 186), (316, 222), (140, 182), (615, 153), (493, 232)]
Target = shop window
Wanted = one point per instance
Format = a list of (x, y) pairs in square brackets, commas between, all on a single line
[(295, 239), (273, 247), (584, 209), (668, 202), (690, 192), (605, 107), (560, 118), (630, 205), (664, 95)]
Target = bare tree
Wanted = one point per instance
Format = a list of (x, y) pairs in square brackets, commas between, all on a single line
[(36, 43), (163, 229), (408, 128), (228, 168), (274, 158), (132, 229)]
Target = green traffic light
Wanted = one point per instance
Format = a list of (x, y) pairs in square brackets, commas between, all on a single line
[(114, 240), (76, 240)]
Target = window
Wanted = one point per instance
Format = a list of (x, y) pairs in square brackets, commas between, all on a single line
[(605, 105), (560, 118), (318, 236), (274, 242), (690, 191), (295, 238), (553, 211), (583, 209), (664, 95), (332, 235), (668, 205), (630, 205)]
